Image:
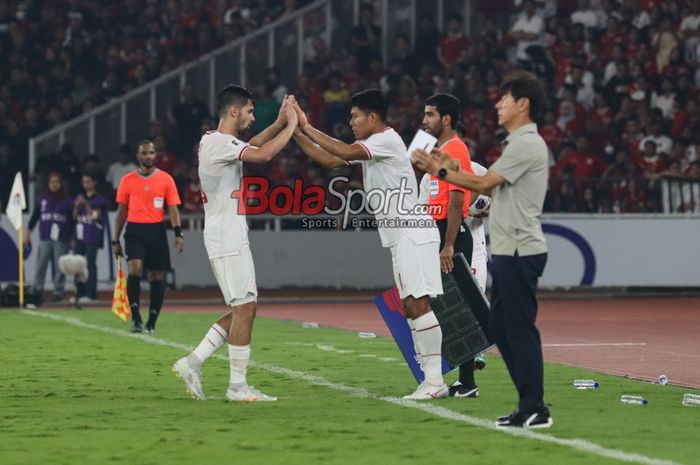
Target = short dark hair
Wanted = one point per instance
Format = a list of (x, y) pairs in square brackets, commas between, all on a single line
[(232, 94), (144, 142), (523, 84), (90, 175), (446, 104), (371, 100)]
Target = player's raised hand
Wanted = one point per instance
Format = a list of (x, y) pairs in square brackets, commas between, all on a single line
[(292, 115), (303, 120), (282, 115)]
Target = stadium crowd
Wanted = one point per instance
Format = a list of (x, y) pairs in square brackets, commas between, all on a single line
[(622, 79)]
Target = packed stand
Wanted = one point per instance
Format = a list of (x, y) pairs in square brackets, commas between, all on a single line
[(622, 80), (64, 58)]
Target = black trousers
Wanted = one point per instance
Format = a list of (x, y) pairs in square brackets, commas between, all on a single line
[(512, 324), (464, 242)]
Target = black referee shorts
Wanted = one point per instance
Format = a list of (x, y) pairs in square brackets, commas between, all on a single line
[(148, 242), (464, 242)]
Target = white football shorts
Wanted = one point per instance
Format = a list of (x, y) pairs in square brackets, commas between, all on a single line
[(416, 268), (236, 277)]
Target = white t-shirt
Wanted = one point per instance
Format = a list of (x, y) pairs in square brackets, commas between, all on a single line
[(690, 22), (220, 172), (664, 103), (476, 225), (387, 168), (534, 25), (117, 171), (586, 17), (664, 144)]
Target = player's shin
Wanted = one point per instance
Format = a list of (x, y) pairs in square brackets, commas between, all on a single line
[(428, 339)]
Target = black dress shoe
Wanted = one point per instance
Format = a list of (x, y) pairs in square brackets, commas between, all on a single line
[(539, 418)]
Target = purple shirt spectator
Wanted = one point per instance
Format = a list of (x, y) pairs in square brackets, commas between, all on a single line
[(55, 218), (90, 227)]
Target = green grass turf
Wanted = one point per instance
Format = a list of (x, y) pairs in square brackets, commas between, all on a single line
[(70, 395)]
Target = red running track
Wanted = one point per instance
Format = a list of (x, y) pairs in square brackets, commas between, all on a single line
[(637, 337)]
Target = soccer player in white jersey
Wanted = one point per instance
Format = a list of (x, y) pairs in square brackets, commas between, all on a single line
[(476, 226), (221, 158), (414, 250)]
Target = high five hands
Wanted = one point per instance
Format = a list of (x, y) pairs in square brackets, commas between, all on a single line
[(303, 120)]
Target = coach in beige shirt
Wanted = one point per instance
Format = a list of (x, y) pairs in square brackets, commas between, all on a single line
[(517, 183)]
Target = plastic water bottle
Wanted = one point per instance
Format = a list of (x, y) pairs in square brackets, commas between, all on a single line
[(366, 335), (309, 325), (663, 380), (634, 400), (585, 384), (691, 400)]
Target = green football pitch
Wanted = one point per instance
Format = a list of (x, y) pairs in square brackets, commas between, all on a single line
[(77, 388)]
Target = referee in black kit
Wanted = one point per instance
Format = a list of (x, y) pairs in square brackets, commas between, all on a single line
[(518, 183), (142, 197)]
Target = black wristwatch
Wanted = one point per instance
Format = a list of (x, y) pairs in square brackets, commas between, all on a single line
[(178, 231), (442, 173), (116, 243)]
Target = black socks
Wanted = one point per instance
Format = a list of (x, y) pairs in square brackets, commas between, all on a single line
[(157, 297), (466, 374), (133, 292)]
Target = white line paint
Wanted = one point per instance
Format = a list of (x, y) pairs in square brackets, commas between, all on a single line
[(597, 344), (432, 409), (331, 348)]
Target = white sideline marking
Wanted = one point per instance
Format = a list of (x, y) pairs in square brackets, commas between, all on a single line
[(597, 344), (330, 348), (578, 444)]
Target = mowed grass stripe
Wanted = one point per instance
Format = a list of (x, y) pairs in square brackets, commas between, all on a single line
[(430, 408)]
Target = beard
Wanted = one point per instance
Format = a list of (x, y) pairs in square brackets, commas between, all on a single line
[(433, 131)]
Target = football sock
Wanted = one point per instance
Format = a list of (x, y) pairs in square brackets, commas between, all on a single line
[(215, 338), (157, 297), (412, 325), (466, 374), (239, 357), (428, 339), (133, 292)]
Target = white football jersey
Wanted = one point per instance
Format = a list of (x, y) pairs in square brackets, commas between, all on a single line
[(220, 172), (476, 225), (384, 171)]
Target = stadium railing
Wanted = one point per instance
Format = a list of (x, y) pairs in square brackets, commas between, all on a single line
[(282, 43), (680, 194)]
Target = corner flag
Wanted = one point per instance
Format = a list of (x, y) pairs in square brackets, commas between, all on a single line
[(16, 203)]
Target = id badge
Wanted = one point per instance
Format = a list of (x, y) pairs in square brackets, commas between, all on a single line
[(55, 232), (80, 231), (434, 188), (157, 203)]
